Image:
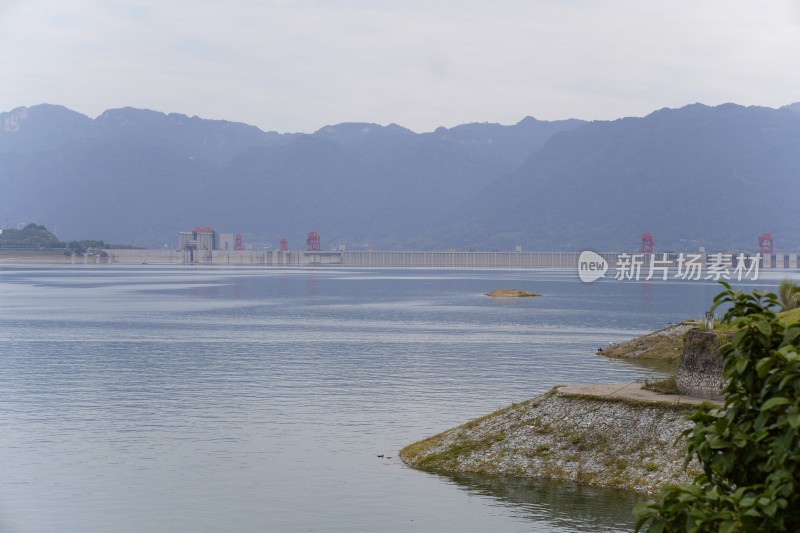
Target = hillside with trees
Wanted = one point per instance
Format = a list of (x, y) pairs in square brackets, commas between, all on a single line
[(31, 236)]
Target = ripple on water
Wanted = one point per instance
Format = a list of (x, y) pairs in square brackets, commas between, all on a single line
[(254, 399)]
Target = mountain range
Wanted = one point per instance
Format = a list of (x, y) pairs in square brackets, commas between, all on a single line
[(695, 176)]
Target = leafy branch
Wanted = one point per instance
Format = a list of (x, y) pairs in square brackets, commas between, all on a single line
[(749, 449)]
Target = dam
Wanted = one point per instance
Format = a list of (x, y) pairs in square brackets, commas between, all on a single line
[(393, 259), (366, 258)]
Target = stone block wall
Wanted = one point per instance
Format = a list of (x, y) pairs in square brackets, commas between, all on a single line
[(700, 371)]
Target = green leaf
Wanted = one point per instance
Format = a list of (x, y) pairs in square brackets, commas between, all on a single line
[(747, 501), (727, 526), (764, 327), (764, 365), (773, 402), (741, 366), (770, 509), (716, 442)]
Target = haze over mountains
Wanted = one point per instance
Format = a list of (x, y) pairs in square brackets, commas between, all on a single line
[(695, 176)]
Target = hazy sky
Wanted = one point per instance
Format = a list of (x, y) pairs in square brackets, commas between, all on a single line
[(297, 65)]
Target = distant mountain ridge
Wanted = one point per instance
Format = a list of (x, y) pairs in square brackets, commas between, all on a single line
[(694, 176), (139, 176), (45, 126)]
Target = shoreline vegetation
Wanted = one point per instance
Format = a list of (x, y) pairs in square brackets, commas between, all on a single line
[(33, 238)]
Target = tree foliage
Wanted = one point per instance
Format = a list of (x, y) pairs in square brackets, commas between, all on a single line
[(789, 294), (749, 449), (37, 236), (31, 236)]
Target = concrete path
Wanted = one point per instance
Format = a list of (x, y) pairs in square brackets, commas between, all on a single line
[(631, 391)]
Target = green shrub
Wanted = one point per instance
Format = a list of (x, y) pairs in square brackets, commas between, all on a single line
[(749, 449)]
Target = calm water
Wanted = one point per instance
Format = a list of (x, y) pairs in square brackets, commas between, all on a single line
[(189, 399)]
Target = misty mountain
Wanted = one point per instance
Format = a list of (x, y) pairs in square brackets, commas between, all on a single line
[(366, 184), (44, 127), (138, 177), (793, 107), (695, 176)]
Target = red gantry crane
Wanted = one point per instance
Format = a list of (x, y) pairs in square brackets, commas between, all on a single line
[(313, 241), (647, 242), (766, 243)]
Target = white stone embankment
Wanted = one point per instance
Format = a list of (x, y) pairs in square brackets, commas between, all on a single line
[(604, 435)]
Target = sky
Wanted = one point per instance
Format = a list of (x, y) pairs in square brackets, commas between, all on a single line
[(298, 65)]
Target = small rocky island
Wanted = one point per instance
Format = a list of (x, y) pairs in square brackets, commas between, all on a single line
[(511, 293)]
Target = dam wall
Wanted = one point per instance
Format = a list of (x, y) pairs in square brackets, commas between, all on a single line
[(390, 259), (466, 259), (383, 259)]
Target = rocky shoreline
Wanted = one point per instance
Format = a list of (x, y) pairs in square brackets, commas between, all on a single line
[(624, 441)]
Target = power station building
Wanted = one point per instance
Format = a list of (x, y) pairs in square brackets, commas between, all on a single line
[(198, 244)]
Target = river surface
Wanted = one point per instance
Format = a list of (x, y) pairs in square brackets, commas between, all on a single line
[(190, 399)]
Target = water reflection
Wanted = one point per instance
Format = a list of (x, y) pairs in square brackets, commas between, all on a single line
[(565, 506)]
